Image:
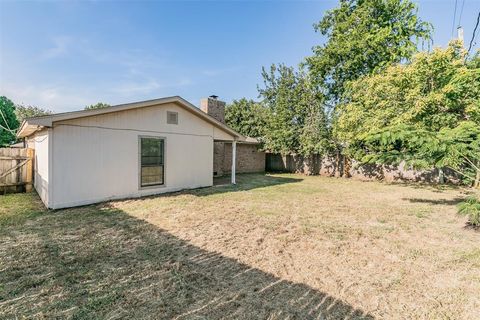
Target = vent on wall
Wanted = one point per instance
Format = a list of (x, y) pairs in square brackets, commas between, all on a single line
[(172, 117)]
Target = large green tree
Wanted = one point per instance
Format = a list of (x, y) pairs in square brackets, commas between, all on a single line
[(426, 112), (363, 36), (296, 122), (8, 121), (246, 117), (23, 112), (436, 90), (456, 148)]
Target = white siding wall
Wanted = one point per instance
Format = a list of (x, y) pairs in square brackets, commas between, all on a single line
[(41, 143), (96, 158)]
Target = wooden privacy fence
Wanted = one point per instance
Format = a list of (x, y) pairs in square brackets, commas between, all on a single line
[(16, 169)]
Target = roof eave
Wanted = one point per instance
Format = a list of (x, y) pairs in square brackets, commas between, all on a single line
[(48, 120), (28, 129)]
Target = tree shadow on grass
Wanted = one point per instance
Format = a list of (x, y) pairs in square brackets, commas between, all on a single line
[(437, 188), (99, 262), (449, 202), (244, 182)]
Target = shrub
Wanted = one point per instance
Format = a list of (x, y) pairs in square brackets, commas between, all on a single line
[(471, 208)]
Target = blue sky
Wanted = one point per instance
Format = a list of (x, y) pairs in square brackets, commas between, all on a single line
[(65, 55)]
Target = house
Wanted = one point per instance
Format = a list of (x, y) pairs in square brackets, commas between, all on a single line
[(128, 150)]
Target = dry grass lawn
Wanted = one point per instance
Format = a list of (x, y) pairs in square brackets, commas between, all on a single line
[(273, 247)]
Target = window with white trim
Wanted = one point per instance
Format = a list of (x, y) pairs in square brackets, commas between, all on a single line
[(152, 161)]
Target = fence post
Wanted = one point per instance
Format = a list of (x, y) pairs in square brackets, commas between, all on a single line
[(29, 168)]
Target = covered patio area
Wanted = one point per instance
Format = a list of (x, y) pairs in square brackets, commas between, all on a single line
[(218, 153)]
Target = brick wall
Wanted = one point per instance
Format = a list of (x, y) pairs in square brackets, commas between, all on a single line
[(218, 158), (214, 108), (249, 158)]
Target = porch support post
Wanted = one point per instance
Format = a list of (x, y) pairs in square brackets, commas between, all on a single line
[(234, 160)]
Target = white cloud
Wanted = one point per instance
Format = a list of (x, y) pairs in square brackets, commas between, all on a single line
[(70, 97), (55, 98)]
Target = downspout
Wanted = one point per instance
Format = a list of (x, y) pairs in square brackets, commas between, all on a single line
[(234, 160)]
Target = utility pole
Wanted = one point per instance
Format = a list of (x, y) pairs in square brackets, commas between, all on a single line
[(460, 34)]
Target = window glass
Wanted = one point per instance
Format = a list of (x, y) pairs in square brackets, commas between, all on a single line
[(151, 161)]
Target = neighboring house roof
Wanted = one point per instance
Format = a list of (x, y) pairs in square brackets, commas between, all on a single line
[(30, 125), (17, 145)]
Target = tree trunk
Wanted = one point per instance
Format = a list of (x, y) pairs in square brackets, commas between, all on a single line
[(346, 167), (476, 183), (441, 176), (338, 169)]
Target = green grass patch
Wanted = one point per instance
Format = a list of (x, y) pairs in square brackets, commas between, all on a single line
[(19, 207)]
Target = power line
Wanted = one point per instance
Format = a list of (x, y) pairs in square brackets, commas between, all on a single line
[(7, 128), (461, 13), (454, 17), (473, 35)]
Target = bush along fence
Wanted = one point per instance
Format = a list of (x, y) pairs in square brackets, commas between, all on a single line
[(16, 170), (341, 166)]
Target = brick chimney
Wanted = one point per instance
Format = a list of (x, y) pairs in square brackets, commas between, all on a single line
[(213, 107)]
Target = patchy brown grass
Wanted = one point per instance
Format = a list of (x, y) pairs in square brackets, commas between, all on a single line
[(273, 247)]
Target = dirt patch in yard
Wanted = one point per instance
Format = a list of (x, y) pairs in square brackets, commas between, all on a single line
[(272, 247)]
